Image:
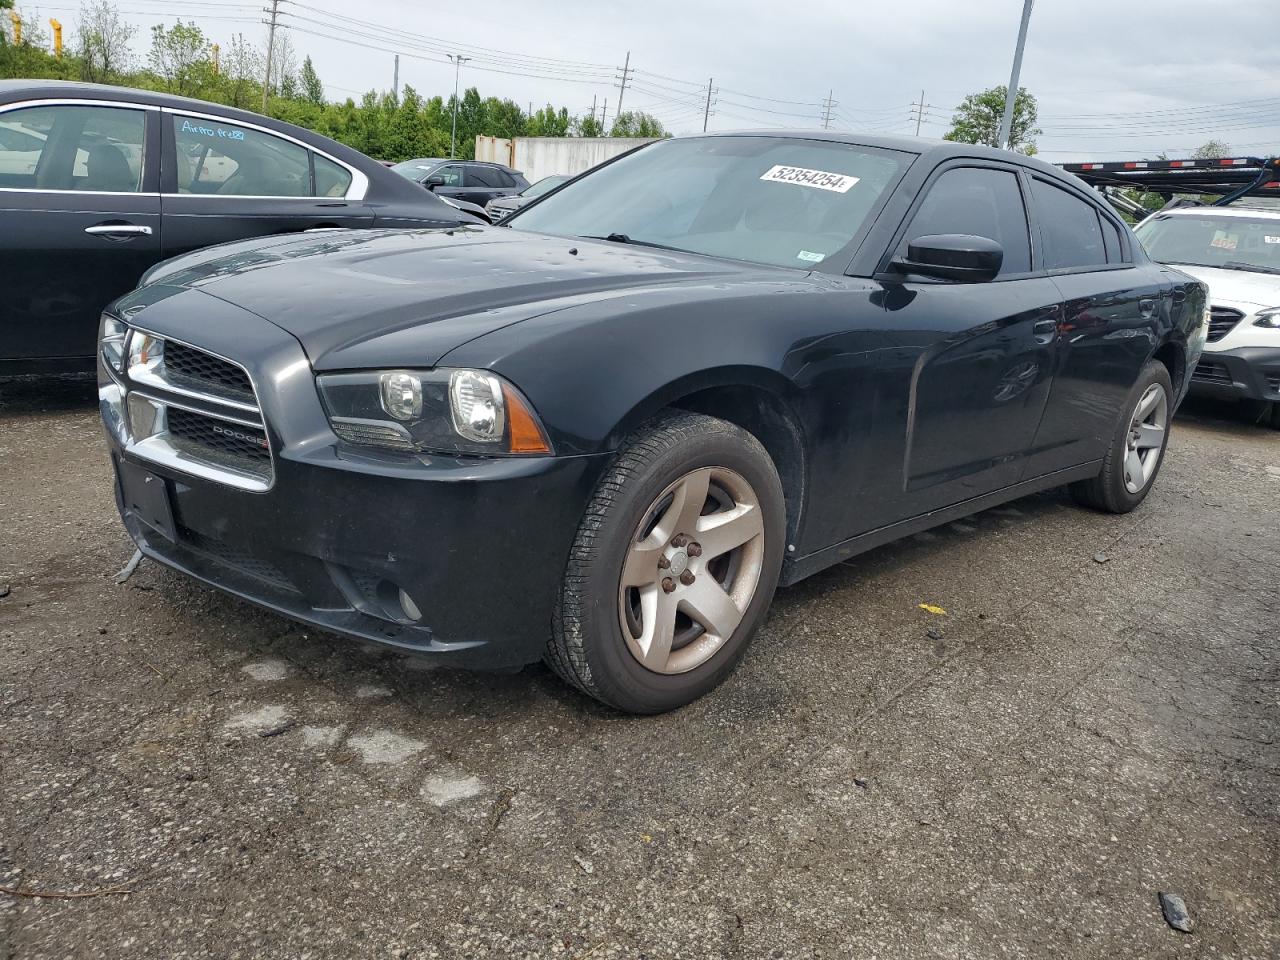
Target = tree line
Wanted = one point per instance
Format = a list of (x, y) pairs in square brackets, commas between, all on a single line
[(182, 59)]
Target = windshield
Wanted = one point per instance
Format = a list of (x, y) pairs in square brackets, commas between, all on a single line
[(543, 186), (1243, 243), (763, 199)]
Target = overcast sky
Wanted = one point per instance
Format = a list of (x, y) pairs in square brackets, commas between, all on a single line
[(1114, 78)]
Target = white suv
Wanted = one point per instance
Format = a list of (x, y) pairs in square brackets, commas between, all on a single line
[(1236, 251)]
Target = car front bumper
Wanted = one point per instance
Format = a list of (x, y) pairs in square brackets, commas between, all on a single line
[(1245, 373), (457, 557)]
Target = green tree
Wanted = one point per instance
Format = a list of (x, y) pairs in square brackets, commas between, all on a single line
[(637, 124), (312, 88), (180, 57), (549, 122), (978, 118), (102, 42), (588, 126), (1213, 150)]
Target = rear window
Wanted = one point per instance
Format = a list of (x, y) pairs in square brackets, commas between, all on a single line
[(1070, 227), (1211, 240), (768, 200)]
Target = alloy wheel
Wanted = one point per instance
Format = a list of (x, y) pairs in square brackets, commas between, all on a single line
[(691, 570), (1145, 441)]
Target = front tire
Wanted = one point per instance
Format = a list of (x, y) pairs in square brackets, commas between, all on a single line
[(673, 566), (1133, 460)]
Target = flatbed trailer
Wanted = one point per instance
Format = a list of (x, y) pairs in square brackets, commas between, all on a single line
[(1228, 178)]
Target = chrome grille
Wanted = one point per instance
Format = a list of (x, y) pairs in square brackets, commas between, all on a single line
[(194, 411), (194, 369), (223, 442), (1222, 320)]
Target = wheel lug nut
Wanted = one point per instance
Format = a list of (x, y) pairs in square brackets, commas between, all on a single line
[(695, 549), (663, 563), (668, 584), (687, 577), (679, 540)]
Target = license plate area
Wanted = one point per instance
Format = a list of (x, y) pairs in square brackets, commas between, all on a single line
[(146, 496)]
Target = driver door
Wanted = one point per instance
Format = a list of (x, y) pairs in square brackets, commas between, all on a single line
[(972, 370)]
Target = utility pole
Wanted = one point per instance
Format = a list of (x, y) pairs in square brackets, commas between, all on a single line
[(594, 96), (395, 80), (626, 70), (1011, 95), (919, 112), (271, 47), (828, 107), (604, 114), (706, 112), (458, 60)]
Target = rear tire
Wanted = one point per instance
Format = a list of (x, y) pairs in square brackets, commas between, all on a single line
[(689, 515), (1136, 454)]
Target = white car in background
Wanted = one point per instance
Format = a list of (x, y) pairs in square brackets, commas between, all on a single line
[(1236, 251), (19, 149)]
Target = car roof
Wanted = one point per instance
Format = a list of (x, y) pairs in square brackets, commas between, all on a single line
[(1235, 210), (15, 90), (481, 163), (934, 150)]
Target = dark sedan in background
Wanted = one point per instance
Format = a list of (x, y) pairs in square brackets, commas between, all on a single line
[(97, 184), (505, 206), (471, 181), (604, 434)]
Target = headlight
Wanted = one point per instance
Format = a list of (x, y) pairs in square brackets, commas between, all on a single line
[(111, 337), (1268, 318), (432, 411)]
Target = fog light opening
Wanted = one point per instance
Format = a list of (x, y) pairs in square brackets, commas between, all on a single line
[(409, 607)]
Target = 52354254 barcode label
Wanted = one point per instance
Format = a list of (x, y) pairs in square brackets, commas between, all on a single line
[(819, 179)]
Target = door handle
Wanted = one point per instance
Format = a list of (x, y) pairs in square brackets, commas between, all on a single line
[(1147, 307), (119, 230), (1045, 331)]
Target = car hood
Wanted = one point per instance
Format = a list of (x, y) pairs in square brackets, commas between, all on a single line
[(1239, 286), (369, 298)]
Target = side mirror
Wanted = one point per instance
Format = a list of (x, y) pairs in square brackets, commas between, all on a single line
[(953, 256), (433, 181)]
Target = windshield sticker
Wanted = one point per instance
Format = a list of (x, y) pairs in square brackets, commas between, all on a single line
[(1266, 239), (810, 256), (1224, 241), (220, 133), (820, 179)]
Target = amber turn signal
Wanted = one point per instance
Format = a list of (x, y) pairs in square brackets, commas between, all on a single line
[(526, 434)]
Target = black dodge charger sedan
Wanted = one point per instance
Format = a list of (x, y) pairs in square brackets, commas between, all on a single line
[(97, 184), (604, 434)]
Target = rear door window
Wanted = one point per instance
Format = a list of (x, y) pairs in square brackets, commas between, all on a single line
[(332, 180), (1069, 227), (225, 158), (478, 176), (981, 202), (68, 147)]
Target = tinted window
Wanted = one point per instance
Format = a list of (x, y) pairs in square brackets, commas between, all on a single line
[(763, 199), (486, 177), (980, 202), (332, 180), (73, 148), (225, 158), (1111, 237), (1070, 228), (452, 174)]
